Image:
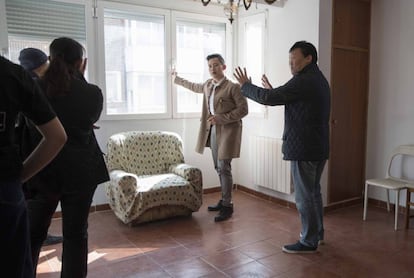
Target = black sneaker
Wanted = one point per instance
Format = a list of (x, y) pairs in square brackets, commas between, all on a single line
[(216, 207), (298, 248), (50, 240), (224, 214)]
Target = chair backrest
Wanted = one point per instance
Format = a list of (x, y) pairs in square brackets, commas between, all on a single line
[(144, 152), (402, 150)]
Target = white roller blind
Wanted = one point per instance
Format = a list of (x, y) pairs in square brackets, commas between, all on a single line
[(45, 19)]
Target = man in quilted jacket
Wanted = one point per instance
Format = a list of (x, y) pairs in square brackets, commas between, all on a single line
[(306, 97)]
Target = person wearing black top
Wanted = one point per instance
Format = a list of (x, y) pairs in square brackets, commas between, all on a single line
[(19, 93), (72, 177), (36, 62), (306, 97)]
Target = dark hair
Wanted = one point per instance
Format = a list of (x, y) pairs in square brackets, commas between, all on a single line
[(307, 49), (218, 56), (65, 53)]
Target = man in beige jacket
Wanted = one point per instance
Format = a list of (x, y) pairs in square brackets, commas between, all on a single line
[(221, 126)]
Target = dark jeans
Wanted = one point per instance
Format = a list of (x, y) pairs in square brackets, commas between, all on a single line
[(14, 231), (306, 179), (75, 210)]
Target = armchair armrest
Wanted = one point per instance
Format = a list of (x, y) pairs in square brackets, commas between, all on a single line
[(190, 173), (126, 181)]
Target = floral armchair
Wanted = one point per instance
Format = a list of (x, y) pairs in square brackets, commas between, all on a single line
[(149, 179)]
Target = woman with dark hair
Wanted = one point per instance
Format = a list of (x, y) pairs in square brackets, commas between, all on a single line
[(72, 177)]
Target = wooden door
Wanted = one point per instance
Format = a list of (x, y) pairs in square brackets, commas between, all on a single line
[(349, 86)]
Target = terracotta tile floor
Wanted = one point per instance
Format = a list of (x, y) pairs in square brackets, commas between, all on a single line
[(248, 245)]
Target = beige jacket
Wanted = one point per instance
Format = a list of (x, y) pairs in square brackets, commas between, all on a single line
[(230, 106)]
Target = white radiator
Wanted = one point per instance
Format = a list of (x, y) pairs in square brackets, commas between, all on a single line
[(268, 168)]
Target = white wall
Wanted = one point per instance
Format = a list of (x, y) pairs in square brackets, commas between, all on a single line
[(391, 95), (324, 51)]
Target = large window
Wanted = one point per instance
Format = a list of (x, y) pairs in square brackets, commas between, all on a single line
[(141, 47), (131, 49), (194, 41)]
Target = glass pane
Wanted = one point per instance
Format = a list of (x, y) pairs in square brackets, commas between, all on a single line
[(134, 63), (253, 43), (194, 42)]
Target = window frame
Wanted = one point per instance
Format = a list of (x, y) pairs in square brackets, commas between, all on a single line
[(261, 17), (128, 8), (170, 16)]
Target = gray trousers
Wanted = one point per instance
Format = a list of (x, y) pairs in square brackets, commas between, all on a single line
[(223, 168)]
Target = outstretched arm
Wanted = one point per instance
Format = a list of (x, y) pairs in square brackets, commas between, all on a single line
[(195, 87), (267, 95)]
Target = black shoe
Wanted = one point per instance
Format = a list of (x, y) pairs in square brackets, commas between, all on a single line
[(298, 248), (216, 207), (224, 214), (50, 240)]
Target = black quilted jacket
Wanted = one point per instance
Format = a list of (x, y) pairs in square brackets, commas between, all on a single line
[(306, 97)]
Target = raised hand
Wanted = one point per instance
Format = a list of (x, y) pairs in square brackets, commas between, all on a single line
[(241, 76), (265, 82), (173, 73)]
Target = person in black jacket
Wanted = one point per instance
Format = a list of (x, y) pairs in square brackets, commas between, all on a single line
[(36, 62), (306, 97), (72, 177), (19, 93)]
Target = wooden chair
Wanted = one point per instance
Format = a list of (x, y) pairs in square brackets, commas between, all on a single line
[(391, 182)]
